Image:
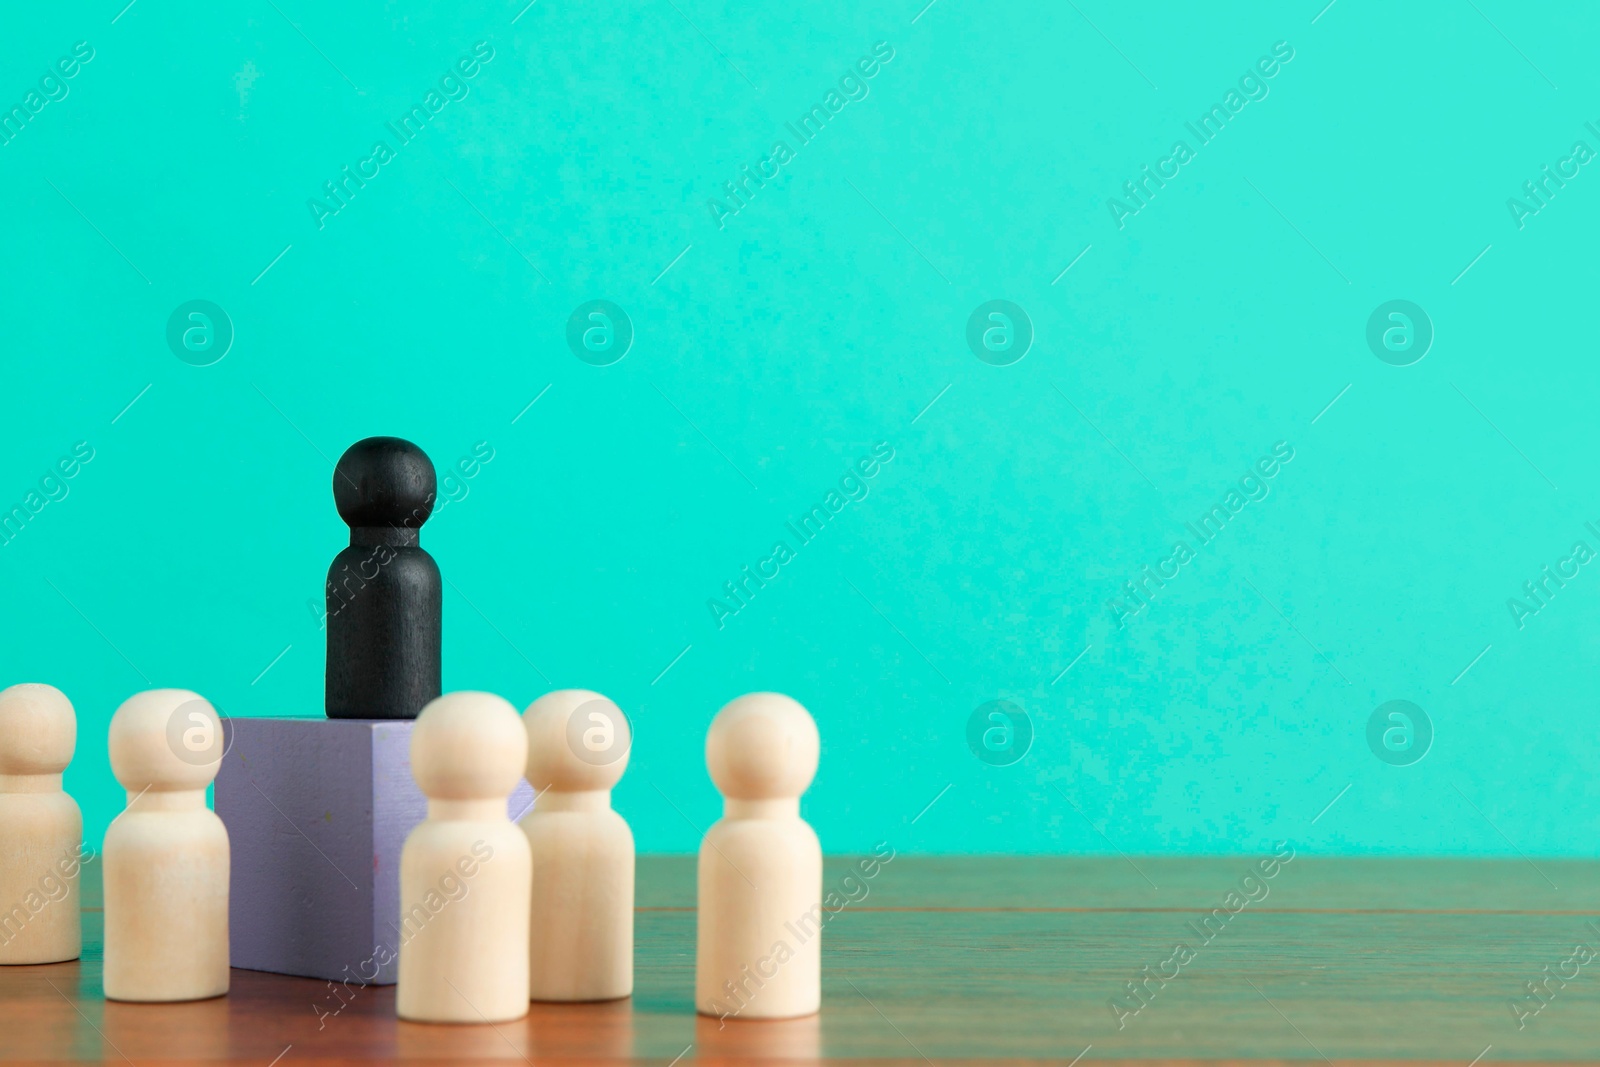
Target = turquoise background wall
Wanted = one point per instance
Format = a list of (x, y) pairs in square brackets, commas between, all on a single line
[(1168, 349)]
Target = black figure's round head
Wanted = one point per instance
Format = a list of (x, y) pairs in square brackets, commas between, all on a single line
[(384, 481)]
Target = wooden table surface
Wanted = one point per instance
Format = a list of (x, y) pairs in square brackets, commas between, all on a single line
[(977, 960)]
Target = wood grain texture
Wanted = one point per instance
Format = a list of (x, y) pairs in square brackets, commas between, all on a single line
[(991, 960)]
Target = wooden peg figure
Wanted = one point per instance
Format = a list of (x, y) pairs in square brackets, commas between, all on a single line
[(41, 828), (581, 932), (384, 591), (758, 952), (465, 874), (166, 855)]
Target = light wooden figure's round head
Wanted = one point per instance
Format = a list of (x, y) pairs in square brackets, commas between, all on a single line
[(578, 741), (762, 746), (468, 746), (38, 730), (165, 740)]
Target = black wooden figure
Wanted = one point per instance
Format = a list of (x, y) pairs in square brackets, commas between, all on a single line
[(385, 594)]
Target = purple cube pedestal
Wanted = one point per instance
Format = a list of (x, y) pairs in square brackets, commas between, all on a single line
[(317, 812)]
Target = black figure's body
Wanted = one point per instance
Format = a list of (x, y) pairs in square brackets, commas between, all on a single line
[(385, 594)]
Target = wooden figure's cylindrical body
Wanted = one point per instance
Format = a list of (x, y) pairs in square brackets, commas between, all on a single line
[(166, 867), (41, 829), (465, 875), (581, 934), (385, 611), (41, 837), (758, 949)]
